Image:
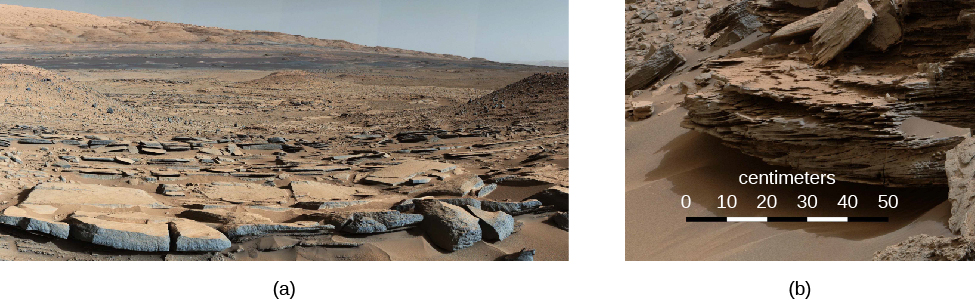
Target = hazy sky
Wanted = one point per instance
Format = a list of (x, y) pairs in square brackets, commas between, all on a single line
[(501, 30)]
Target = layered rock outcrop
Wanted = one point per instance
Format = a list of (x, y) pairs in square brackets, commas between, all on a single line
[(812, 111)]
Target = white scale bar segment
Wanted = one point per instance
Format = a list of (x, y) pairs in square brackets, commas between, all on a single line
[(747, 219)]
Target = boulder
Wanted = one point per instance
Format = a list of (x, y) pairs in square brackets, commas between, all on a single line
[(495, 226), (841, 28), (561, 219), (448, 226), (654, 68)]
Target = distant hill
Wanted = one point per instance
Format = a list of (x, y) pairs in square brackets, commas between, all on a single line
[(40, 26), (544, 63)]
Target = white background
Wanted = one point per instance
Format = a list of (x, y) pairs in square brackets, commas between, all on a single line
[(596, 269)]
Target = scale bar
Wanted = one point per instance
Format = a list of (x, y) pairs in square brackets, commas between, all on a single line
[(787, 219)]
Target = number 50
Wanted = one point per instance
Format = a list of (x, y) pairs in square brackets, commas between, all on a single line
[(888, 201)]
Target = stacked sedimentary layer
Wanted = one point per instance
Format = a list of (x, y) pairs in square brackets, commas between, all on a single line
[(791, 114), (822, 95)]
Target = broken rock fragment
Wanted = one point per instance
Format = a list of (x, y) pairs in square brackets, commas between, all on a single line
[(194, 236), (886, 29), (495, 226), (523, 255), (930, 248), (840, 28), (805, 25), (561, 219), (657, 66), (734, 22), (960, 169), (448, 226)]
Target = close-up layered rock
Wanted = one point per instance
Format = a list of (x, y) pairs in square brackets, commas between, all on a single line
[(877, 92)]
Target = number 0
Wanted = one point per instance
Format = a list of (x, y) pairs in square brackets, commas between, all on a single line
[(685, 199)]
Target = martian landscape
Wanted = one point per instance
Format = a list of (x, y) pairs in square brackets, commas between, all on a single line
[(875, 94), (126, 139)]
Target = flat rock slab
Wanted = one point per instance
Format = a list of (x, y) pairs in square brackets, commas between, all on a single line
[(306, 191), (448, 226), (401, 173), (261, 147), (21, 218), (244, 193), (236, 231), (55, 194), (35, 141), (511, 208), (372, 221), (153, 237), (840, 28), (152, 151), (457, 186)]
